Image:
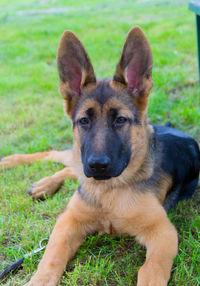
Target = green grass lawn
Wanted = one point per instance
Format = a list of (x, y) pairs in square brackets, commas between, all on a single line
[(32, 119)]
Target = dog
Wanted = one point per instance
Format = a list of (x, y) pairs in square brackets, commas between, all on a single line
[(130, 172)]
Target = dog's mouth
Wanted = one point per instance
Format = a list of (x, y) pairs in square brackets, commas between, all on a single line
[(100, 177)]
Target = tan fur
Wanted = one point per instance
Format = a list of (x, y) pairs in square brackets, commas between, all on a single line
[(48, 185), (122, 211), (114, 103), (19, 159), (88, 103), (165, 185), (69, 105), (64, 157), (120, 205)]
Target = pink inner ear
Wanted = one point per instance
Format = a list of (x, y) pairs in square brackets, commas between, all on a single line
[(133, 75), (76, 78)]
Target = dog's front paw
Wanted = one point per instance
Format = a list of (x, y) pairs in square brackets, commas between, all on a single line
[(41, 281), (152, 274), (45, 187)]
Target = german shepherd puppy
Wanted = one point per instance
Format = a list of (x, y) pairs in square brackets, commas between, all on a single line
[(130, 172)]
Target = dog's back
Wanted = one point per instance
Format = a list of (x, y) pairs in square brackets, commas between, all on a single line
[(181, 160)]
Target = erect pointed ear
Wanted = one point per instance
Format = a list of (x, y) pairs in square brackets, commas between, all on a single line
[(134, 69), (75, 69)]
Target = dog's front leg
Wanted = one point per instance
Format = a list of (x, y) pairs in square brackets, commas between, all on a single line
[(148, 221), (160, 238), (161, 243), (69, 231)]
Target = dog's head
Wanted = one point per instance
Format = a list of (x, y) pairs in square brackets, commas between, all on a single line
[(109, 116)]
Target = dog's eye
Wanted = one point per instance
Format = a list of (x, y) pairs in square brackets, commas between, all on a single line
[(120, 120), (84, 121)]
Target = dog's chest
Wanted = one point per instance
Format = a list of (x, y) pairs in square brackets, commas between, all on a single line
[(118, 207), (106, 226)]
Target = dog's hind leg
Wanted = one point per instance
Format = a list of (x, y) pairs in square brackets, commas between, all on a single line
[(49, 185), (63, 157)]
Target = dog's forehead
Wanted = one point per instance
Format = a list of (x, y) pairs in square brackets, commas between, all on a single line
[(103, 98), (103, 92)]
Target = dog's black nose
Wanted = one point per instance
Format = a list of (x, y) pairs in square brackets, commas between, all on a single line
[(98, 164)]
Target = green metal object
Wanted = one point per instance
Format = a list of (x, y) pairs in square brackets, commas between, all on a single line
[(194, 6)]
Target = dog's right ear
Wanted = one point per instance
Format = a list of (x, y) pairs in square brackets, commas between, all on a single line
[(75, 69)]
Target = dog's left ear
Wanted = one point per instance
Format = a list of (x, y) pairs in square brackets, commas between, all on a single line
[(134, 69)]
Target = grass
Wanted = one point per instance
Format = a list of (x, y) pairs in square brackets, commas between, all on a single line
[(32, 119)]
